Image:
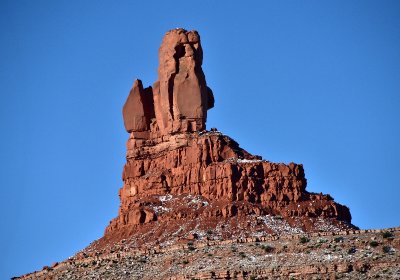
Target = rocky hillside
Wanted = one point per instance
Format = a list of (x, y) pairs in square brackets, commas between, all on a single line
[(195, 204), (350, 254)]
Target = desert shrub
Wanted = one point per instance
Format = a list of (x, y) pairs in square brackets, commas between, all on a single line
[(304, 239), (267, 248), (373, 243), (387, 234), (339, 239), (352, 250), (191, 248), (242, 254), (387, 249), (185, 261)]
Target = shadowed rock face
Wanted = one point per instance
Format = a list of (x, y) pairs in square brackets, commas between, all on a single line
[(180, 98), (138, 110)]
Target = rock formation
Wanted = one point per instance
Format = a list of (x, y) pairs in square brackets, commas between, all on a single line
[(169, 153), (194, 205), (179, 100)]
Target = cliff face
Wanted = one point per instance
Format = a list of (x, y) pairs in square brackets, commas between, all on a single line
[(179, 176)]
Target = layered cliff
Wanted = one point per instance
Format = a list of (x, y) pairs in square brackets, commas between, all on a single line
[(181, 177)]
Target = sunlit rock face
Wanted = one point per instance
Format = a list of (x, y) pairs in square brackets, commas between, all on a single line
[(171, 154), (180, 98)]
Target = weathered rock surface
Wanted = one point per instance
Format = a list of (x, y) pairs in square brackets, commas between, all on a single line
[(180, 98), (169, 153), (227, 181)]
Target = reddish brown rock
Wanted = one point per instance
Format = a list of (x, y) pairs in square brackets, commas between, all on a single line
[(212, 166), (205, 175), (139, 108), (181, 96)]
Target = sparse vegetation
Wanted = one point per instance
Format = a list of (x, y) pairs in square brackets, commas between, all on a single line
[(191, 248), (387, 249), (267, 248), (304, 239), (387, 234), (351, 251), (252, 255), (373, 243), (339, 239)]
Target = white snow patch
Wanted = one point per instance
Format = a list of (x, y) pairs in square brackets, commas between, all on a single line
[(160, 209), (248, 160), (279, 225), (164, 198)]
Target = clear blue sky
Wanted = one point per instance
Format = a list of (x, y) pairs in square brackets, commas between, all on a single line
[(314, 82)]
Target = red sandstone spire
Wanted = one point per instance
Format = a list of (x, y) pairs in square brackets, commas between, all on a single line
[(181, 96), (179, 176)]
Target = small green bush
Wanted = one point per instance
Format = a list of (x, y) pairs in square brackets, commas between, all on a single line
[(267, 248), (339, 239), (242, 254), (304, 239), (387, 249), (191, 248), (373, 243), (352, 250), (387, 234)]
